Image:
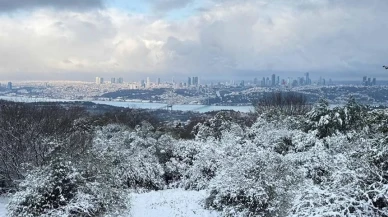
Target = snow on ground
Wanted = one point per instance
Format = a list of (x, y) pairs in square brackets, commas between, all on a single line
[(170, 203), (167, 203), (3, 204)]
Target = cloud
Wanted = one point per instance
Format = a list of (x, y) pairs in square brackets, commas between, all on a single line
[(229, 39), (11, 5), (168, 5)]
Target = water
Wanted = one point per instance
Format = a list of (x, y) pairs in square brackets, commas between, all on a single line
[(140, 105)]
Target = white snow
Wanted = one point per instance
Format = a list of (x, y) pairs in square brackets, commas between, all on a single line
[(3, 204), (170, 203), (166, 203)]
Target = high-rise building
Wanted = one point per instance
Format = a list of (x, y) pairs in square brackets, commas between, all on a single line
[(255, 81), (374, 81), (307, 80), (189, 81), (9, 86), (142, 83), (195, 81), (113, 80), (99, 80), (273, 80), (158, 81), (301, 81), (364, 80), (263, 82), (148, 84), (120, 80)]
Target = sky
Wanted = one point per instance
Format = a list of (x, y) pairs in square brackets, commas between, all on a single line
[(214, 39)]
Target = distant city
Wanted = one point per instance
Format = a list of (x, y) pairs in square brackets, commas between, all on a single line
[(272, 81), (196, 90)]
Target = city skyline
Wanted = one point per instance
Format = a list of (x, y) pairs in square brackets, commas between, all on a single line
[(75, 40)]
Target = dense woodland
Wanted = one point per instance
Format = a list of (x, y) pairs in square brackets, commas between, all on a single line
[(288, 158)]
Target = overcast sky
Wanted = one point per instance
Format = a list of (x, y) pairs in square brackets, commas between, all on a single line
[(239, 39)]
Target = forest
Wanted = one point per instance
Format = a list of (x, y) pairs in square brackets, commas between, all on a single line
[(287, 158)]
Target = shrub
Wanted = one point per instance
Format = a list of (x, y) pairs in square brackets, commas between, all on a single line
[(260, 183), (131, 155), (63, 189)]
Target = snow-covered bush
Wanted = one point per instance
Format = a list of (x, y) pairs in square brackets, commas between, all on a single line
[(215, 126), (199, 160), (257, 183), (327, 122), (353, 180), (131, 155), (64, 189)]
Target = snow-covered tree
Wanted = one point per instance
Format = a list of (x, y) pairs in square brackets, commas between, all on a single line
[(65, 189)]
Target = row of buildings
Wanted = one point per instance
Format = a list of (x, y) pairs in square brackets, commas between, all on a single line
[(100, 80), (8, 86), (277, 81), (368, 81), (191, 82)]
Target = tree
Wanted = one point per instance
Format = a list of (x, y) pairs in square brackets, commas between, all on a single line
[(288, 103)]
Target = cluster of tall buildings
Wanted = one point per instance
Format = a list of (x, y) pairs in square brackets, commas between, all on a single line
[(100, 80), (277, 81), (192, 81), (368, 81), (8, 86)]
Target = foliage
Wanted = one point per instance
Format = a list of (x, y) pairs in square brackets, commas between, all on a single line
[(30, 133), (289, 103), (63, 189), (259, 183), (327, 162), (327, 122), (131, 156)]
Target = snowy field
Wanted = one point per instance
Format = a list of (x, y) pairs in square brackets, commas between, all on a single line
[(167, 203), (3, 203), (170, 203)]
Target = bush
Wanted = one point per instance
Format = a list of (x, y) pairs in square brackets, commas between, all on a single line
[(131, 155), (327, 122), (63, 189), (260, 183)]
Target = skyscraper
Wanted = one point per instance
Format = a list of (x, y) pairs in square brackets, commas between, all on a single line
[(120, 80), (148, 84), (9, 86), (195, 81), (113, 80), (189, 81), (273, 80), (308, 81), (158, 81), (99, 80)]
